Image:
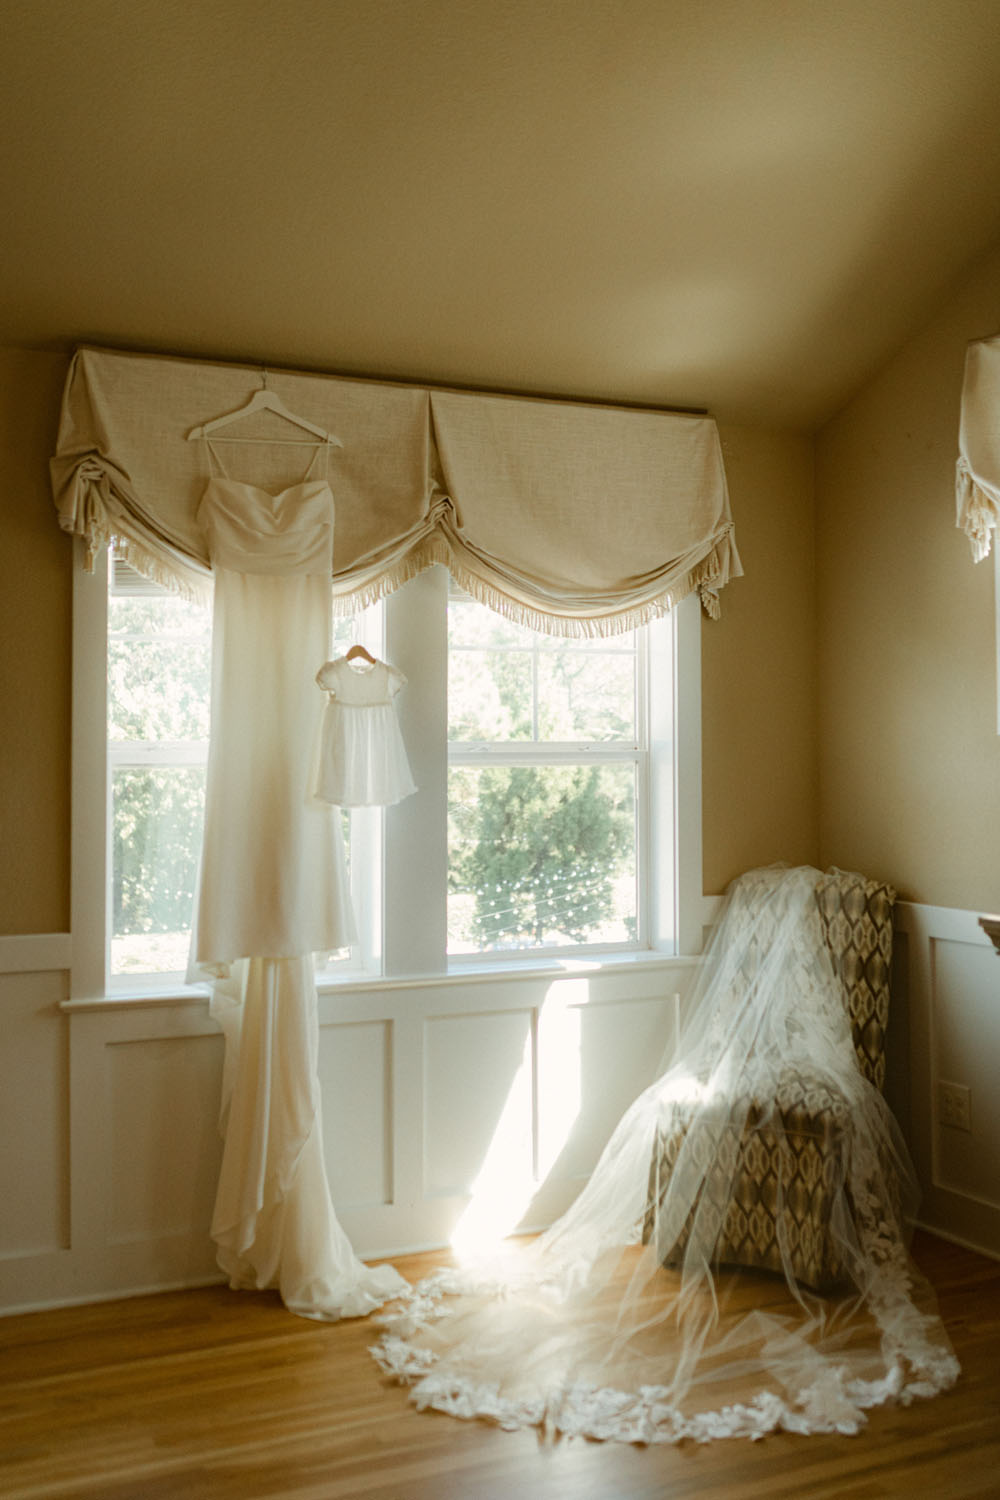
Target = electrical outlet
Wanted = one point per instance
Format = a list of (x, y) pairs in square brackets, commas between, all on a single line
[(955, 1105)]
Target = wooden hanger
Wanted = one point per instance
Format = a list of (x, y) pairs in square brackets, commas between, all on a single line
[(262, 400), (356, 651)]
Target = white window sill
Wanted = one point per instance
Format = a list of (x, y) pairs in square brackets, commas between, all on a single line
[(475, 973), (501, 971)]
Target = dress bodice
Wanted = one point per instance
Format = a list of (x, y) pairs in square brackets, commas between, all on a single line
[(360, 686), (251, 530)]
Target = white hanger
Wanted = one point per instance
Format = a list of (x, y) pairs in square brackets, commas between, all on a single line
[(262, 400)]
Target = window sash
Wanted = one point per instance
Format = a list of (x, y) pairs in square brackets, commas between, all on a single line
[(123, 753), (535, 753), (480, 754)]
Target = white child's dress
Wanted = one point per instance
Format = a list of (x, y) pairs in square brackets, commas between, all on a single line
[(363, 761)]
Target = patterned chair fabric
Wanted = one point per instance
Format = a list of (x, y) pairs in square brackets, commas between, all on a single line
[(856, 915), (778, 1179)]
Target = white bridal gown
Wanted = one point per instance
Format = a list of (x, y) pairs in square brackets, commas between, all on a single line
[(272, 892)]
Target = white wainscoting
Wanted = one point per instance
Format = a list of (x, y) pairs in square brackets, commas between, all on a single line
[(34, 1101), (486, 1096), (442, 1100), (945, 1027), (109, 1147)]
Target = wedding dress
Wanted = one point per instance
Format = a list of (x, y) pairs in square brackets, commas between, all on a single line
[(589, 1331), (272, 893)]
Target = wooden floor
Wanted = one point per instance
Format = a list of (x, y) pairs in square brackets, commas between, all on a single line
[(211, 1393)]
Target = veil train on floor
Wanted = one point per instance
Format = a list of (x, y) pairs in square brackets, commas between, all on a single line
[(627, 1320)]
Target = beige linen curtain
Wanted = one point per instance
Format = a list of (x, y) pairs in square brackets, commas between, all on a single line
[(573, 518), (579, 519), (978, 469), (123, 468)]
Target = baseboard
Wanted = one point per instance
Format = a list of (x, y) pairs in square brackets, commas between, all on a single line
[(956, 1239)]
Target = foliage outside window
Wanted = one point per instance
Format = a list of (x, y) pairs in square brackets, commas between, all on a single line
[(159, 650), (546, 765)]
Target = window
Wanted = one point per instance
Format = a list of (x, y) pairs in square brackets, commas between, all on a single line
[(548, 823), (546, 786)]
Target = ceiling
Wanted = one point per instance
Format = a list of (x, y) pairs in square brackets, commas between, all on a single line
[(744, 205)]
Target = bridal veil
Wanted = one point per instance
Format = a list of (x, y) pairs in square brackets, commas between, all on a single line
[(626, 1320)]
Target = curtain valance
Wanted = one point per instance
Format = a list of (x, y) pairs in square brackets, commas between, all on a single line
[(575, 519), (978, 469)]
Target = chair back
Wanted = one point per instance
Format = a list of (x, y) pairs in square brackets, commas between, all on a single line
[(856, 916)]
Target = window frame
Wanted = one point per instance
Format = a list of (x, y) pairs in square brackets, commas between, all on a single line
[(409, 876)]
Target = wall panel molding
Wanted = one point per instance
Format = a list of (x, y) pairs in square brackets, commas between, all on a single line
[(35, 953), (109, 1146), (952, 1002)]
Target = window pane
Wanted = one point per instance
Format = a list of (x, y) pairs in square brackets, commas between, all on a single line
[(490, 695), (159, 668), (586, 695), (345, 633), (157, 817), (472, 624), (541, 856), (506, 682)]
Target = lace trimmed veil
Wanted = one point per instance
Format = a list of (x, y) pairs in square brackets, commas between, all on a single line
[(619, 1322)]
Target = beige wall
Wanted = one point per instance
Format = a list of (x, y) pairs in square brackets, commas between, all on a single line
[(909, 753), (35, 638), (758, 667)]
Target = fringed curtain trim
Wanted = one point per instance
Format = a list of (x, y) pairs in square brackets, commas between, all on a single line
[(977, 476), (978, 511), (95, 503), (572, 519)]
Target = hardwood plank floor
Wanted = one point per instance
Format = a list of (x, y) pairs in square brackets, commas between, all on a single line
[(215, 1395)]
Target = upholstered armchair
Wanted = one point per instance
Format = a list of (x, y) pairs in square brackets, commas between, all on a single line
[(777, 1181)]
